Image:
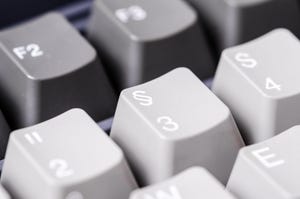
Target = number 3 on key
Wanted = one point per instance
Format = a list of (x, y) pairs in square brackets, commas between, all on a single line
[(168, 124)]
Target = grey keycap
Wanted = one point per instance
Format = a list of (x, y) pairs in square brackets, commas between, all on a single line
[(141, 39), (172, 123), (259, 82), (193, 183), (3, 193), (269, 169), (231, 22), (46, 68), (66, 157), (4, 134)]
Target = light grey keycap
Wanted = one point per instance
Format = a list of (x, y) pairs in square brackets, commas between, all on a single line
[(172, 123), (259, 82), (4, 134), (141, 39), (231, 22), (66, 157), (193, 183), (3, 193), (269, 169), (47, 68)]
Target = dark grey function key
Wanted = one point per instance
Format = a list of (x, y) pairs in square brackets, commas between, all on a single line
[(231, 22), (46, 68), (141, 39)]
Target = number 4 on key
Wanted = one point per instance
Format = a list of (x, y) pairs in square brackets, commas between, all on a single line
[(270, 84)]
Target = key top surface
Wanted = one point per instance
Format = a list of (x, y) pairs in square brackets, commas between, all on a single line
[(192, 183), (47, 57), (176, 121), (57, 71), (269, 169), (141, 40), (263, 74), (143, 18), (64, 156)]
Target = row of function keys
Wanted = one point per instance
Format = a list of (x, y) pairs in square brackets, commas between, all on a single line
[(156, 150), (137, 40)]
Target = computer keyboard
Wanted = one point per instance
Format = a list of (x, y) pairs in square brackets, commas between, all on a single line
[(139, 99)]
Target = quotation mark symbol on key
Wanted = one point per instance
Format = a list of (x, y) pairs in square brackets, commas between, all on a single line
[(33, 138)]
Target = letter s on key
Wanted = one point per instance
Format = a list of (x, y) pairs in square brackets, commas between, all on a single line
[(245, 60), (143, 99)]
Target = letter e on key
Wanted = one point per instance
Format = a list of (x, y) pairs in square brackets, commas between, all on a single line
[(267, 159)]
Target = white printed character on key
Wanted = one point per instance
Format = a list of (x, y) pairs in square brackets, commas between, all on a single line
[(267, 158), (167, 123), (143, 98), (61, 168), (245, 60), (32, 50), (33, 138), (272, 85), (134, 13), (172, 193)]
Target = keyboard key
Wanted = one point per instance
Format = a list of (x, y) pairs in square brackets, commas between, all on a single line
[(269, 169), (141, 39), (172, 123), (44, 73), (259, 83), (193, 183), (236, 21), (65, 158), (4, 134), (3, 193)]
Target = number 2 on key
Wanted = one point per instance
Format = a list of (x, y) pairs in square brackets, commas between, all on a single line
[(61, 168)]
